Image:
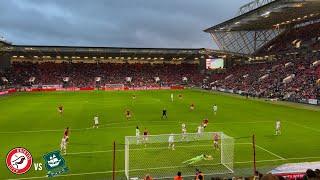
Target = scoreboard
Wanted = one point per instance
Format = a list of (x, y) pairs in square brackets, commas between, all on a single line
[(216, 63)]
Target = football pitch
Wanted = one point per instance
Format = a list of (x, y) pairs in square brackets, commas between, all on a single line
[(31, 120)]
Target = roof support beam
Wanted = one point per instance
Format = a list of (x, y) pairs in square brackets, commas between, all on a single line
[(244, 42), (253, 5)]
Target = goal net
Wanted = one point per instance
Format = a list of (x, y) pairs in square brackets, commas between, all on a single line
[(114, 86), (153, 156)]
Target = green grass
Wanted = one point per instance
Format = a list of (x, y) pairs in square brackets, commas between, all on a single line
[(237, 117)]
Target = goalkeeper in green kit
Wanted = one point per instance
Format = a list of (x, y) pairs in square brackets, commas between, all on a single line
[(198, 159)]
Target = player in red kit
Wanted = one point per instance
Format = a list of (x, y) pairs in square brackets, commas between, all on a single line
[(192, 107), (66, 134), (64, 141), (128, 114), (145, 136), (216, 141), (205, 123), (60, 109)]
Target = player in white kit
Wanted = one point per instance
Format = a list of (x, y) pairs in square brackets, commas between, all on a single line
[(199, 131), (215, 109), (278, 127), (171, 142), (96, 121), (171, 97), (138, 135), (184, 132), (183, 125), (63, 146)]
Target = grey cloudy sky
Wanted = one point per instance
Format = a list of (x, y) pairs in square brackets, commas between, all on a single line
[(121, 23)]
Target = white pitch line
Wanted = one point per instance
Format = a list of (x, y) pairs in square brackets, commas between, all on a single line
[(93, 152), (306, 127), (312, 157), (270, 152), (45, 130), (79, 129), (66, 175), (134, 149), (105, 126), (272, 160), (106, 172), (260, 161)]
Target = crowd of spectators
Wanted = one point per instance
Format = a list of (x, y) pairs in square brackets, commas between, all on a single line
[(261, 79), (309, 175), (84, 74), (304, 37), (267, 79)]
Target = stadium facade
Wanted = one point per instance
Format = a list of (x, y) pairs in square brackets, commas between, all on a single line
[(271, 50), (33, 53), (261, 21), (264, 38)]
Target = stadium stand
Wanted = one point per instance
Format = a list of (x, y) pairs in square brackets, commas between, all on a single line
[(293, 78), (282, 39), (305, 37), (260, 79), (282, 76), (267, 79), (83, 74)]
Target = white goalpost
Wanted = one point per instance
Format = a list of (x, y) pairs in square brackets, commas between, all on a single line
[(154, 156)]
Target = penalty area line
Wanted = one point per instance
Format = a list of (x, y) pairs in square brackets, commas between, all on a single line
[(135, 149), (106, 126), (276, 155)]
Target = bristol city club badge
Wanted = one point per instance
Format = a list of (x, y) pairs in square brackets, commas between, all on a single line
[(19, 160)]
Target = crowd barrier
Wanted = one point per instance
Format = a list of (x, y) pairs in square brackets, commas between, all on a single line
[(305, 101), (143, 88), (49, 89), (293, 171), (8, 91)]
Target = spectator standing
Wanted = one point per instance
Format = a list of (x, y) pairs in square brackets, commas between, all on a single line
[(148, 177), (178, 176)]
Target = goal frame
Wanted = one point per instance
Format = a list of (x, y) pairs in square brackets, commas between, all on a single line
[(225, 143)]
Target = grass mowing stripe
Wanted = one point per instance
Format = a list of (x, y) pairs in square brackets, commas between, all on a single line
[(236, 117), (304, 126), (103, 127), (134, 149)]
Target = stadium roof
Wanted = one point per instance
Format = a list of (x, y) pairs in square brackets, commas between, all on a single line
[(268, 16), (69, 52), (99, 53), (100, 50), (260, 21), (4, 42)]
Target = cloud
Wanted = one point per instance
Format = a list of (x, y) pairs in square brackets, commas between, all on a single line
[(122, 23)]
